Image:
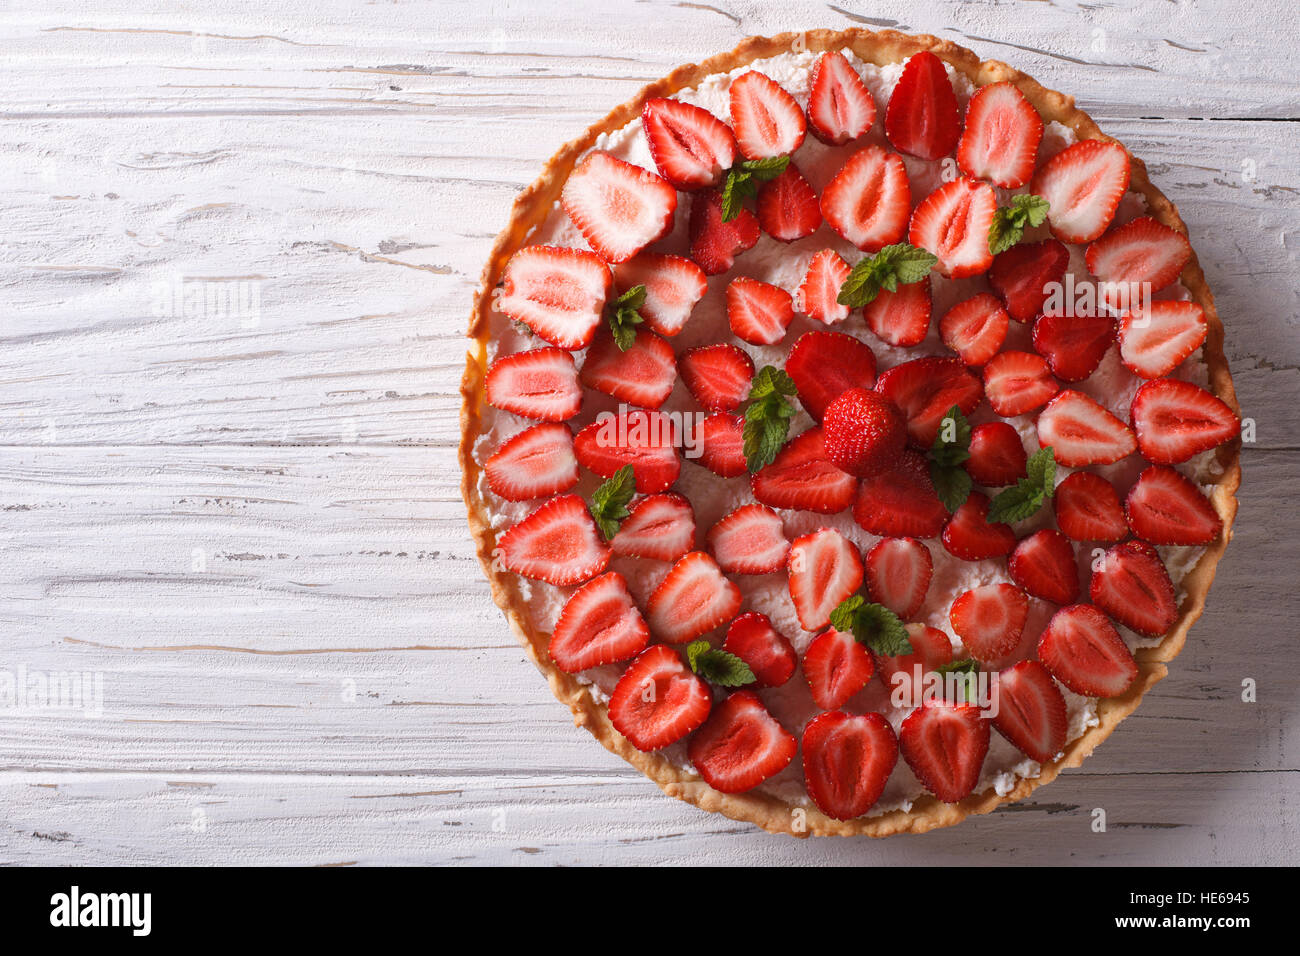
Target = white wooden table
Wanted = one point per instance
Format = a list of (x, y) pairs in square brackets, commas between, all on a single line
[(245, 521)]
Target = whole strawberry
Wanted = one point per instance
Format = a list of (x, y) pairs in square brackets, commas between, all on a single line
[(865, 433)]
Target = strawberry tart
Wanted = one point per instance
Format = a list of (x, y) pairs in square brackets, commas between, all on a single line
[(847, 434)]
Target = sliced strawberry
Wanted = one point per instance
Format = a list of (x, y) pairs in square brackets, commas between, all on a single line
[(1165, 507), (840, 107), (825, 568), (921, 118), (643, 375), (836, 667), (1083, 185), (714, 243), (1156, 340), (658, 701), (803, 479), (931, 649), (975, 328), (1018, 382), (1087, 509), (1081, 432), (1175, 420), (819, 294), (692, 148), (1001, 136), (767, 120), (558, 543), (660, 527), (1084, 652), (1025, 275), (740, 745), (721, 444), (1073, 345), (953, 223), (970, 536), (788, 208), (1044, 565), (869, 200), (758, 313), (541, 384), (1031, 711), (749, 540), (558, 293), (898, 575), (901, 502), (599, 624), (825, 364), (717, 375), (646, 440), (864, 433), (692, 600), (945, 744), (619, 208), (753, 639), (536, 463), (989, 619), (997, 455), (1131, 584), (1142, 250), (847, 761), (924, 389), (673, 285), (901, 317)]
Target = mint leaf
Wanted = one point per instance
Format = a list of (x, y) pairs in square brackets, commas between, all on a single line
[(874, 625), (718, 666), (952, 483), (899, 264), (767, 417), (609, 502), (623, 316), (743, 179), (1026, 496), (951, 447), (1009, 222), (968, 667)]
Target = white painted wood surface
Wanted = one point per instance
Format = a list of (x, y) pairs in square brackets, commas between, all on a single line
[(249, 525)]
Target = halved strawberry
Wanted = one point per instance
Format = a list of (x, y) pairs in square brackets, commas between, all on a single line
[(717, 375), (1131, 584), (1084, 652), (989, 619), (898, 575), (847, 761), (901, 317), (1018, 382), (824, 568), (714, 243), (758, 313), (825, 364), (1081, 432), (1175, 420), (740, 745), (1083, 185), (1155, 341), (840, 107), (924, 389), (1044, 565), (921, 118), (953, 223), (749, 540), (599, 624), (836, 667), (1001, 136), (901, 502), (1073, 345), (970, 536), (660, 527), (1142, 250), (753, 639), (541, 384), (536, 463), (803, 479), (619, 208), (864, 433), (1031, 711), (558, 543), (673, 285), (1165, 507), (945, 745), (788, 208), (692, 148), (658, 701), (646, 440), (767, 120), (931, 649), (818, 296), (975, 328), (721, 443), (997, 455), (1025, 275), (869, 200), (1087, 509), (692, 600), (558, 293), (643, 375)]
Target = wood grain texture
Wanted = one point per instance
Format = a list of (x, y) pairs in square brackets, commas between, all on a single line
[(247, 521)]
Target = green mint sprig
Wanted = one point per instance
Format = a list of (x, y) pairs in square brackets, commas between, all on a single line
[(623, 316), (899, 264), (767, 417), (608, 505), (1026, 496), (743, 179), (718, 666), (874, 625), (1009, 222), (951, 447)]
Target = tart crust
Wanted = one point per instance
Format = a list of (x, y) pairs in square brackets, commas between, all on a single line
[(531, 209)]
